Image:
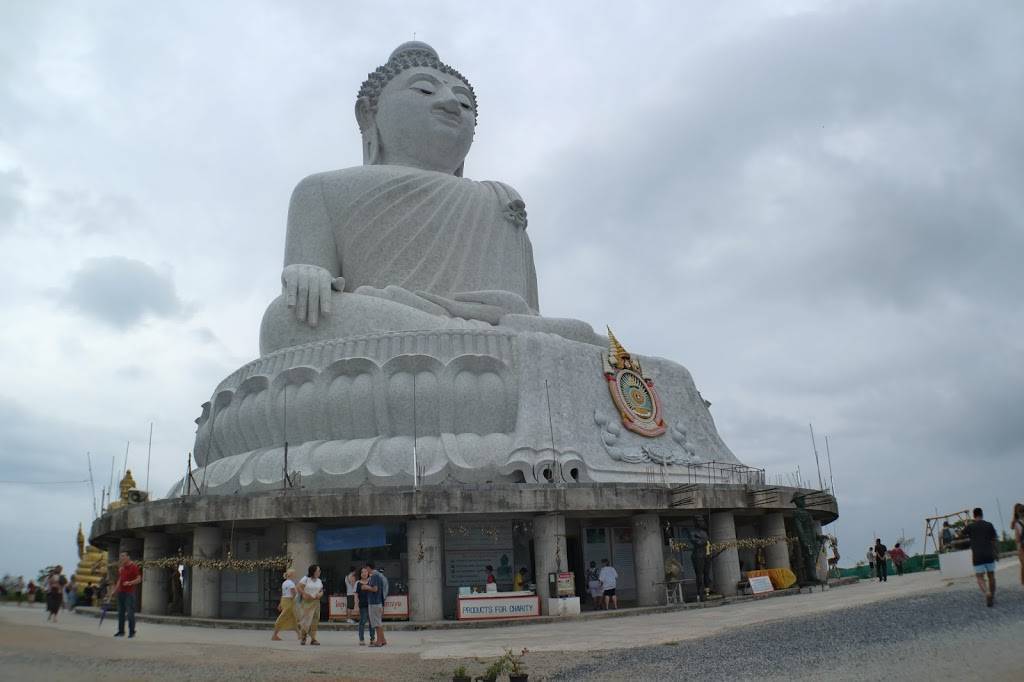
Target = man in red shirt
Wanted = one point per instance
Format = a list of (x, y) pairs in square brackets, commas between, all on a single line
[(128, 576)]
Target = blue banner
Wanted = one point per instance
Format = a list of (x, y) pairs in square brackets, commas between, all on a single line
[(360, 537)]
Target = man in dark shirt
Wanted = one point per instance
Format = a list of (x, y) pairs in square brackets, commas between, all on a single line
[(983, 538), (881, 565)]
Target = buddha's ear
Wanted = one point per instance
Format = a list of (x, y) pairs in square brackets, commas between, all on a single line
[(460, 169), (366, 116)]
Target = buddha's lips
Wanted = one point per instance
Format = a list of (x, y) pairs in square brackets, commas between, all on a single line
[(447, 117)]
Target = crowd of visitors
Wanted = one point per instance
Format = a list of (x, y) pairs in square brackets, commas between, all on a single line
[(365, 594)]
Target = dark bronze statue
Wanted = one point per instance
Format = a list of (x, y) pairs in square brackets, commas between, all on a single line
[(697, 538), (810, 541)]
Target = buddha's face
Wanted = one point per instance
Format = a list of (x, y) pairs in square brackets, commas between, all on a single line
[(426, 119)]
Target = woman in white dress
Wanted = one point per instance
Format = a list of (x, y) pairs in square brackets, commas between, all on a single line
[(310, 590)]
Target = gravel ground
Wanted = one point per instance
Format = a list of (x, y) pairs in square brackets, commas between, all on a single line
[(949, 635)]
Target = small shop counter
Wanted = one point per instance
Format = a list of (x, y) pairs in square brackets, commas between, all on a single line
[(498, 605)]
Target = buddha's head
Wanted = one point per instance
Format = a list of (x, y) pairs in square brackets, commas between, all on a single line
[(416, 111)]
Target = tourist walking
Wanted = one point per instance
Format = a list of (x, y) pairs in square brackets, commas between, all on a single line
[(609, 577), (363, 599), (351, 608), (1017, 525), (54, 586), (31, 592), (983, 539), (898, 556), (286, 607), (128, 576), (310, 590), (871, 562), (880, 561), (378, 592)]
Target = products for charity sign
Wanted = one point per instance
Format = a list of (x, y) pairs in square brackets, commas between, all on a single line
[(488, 608)]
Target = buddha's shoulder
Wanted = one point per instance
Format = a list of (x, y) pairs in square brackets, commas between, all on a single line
[(359, 179)]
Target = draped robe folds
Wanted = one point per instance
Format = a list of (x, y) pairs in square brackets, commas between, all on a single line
[(392, 226), (428, 231)]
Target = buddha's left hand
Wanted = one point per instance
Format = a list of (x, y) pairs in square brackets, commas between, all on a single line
[(488, 306)]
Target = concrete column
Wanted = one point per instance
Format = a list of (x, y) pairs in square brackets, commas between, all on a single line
[(301, 539), (113, 552), (648, 559), (548, 553), (725, 566), (426, 567), (777, 555), (206, 542), (154, 580)]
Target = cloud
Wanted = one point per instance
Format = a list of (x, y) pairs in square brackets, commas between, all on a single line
[(12, 182), (122, 292)]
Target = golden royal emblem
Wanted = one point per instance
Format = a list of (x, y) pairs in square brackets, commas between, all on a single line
[(632, 391)]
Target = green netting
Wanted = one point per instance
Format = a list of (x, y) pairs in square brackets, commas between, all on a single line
[(912, 565)]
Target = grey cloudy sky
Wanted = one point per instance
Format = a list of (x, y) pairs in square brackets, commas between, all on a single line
[(817, 207)]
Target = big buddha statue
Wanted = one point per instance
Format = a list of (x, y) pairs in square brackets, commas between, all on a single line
[(407, 344)]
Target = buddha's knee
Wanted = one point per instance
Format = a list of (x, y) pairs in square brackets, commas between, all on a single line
[(349, 315)]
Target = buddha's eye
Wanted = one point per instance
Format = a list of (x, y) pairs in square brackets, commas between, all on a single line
[(465, 103), (425, 90)]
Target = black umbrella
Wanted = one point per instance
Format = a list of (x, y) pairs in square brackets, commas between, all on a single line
[(103, 612)]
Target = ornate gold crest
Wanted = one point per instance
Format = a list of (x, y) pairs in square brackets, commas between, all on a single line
[(632, 391)]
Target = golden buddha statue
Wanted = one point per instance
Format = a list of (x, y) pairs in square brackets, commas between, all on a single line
[(127, 483), (92, 562)]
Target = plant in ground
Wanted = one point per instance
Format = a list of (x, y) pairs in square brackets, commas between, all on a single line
[(514, 662), (494, 670)]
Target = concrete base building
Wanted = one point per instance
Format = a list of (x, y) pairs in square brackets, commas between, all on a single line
[(432, 541)]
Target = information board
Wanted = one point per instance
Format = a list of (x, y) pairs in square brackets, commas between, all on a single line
[(760, 584), (471, 546), (470, 567)]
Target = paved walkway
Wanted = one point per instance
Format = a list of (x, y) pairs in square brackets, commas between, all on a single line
[(587, 635)]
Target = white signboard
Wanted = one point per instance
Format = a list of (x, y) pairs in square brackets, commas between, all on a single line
[(760, 584), (336, 607), (489, 608), (396, 607)]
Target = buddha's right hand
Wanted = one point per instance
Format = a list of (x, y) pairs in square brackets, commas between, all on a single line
[(307, 290)]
